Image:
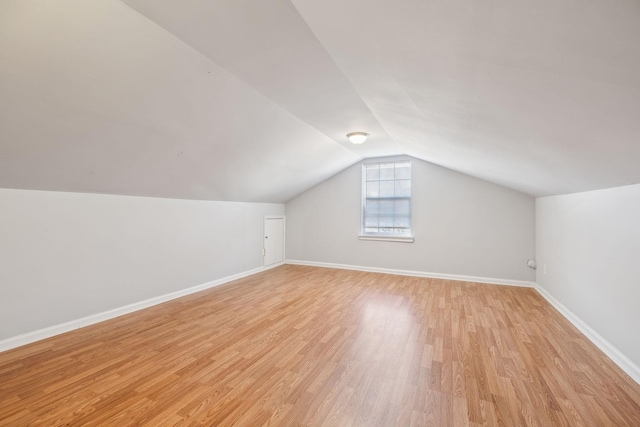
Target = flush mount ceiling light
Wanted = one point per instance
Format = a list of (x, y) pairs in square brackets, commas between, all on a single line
[(357, 137)]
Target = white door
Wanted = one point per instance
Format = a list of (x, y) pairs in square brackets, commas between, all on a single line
[(273, 240)]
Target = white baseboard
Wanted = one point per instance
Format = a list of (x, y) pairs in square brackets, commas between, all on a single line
[(613, 353), (461, 278), (61, 328)]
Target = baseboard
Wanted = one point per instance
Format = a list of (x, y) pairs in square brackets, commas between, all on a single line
[(458, 277), (40, 334), (613, 353)]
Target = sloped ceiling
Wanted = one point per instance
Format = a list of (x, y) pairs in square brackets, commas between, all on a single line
[(94, 97), (250, 100)]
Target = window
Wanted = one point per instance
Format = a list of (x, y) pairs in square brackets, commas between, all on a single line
[(386, 201)]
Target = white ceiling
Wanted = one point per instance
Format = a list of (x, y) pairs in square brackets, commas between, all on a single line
[(250, 100)]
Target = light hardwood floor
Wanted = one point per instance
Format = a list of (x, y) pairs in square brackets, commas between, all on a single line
[(309, 346)]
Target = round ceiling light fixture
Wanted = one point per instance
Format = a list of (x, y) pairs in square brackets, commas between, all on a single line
[(357, 137)]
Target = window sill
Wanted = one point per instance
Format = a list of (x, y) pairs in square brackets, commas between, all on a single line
[(402, 239)]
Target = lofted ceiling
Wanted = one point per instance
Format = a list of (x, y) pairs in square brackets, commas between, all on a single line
[(251, 100)]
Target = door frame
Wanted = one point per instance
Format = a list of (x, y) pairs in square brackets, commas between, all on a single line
[(284, 239)]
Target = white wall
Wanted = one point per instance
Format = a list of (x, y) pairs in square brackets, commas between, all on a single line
[(462, 226), (590, 243), (64, 256)]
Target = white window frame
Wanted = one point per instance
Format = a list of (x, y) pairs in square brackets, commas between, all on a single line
[(390, 237)]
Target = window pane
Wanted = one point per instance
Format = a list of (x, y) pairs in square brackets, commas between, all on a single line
[(371, 222), (386, 189), (373, 189), (403, 188), (387, 172), (401, 222), (403, 170), (372, 205), (403, 208), (386, 221), (386, 207), (373, 172)]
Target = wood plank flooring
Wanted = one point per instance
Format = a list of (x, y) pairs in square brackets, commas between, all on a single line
[(309, 346)]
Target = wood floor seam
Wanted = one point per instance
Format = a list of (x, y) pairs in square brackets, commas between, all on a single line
[(309, 346)]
